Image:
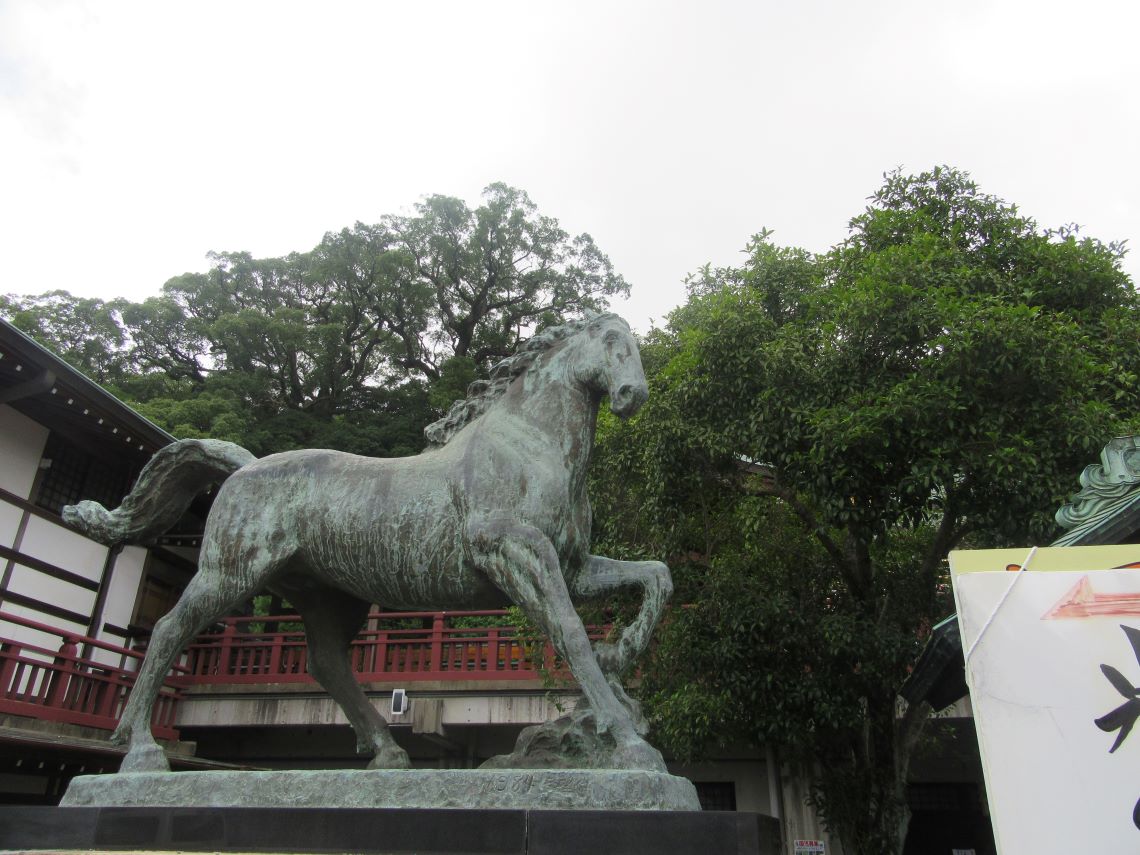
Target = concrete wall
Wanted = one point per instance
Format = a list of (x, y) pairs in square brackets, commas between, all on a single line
[(749, 777), (800, 819), (430, 712)]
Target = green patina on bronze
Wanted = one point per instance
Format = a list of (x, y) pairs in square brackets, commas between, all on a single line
[(544, 789), (1104, 510), (493, 512)]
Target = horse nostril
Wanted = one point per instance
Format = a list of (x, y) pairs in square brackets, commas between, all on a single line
[(628, 398)]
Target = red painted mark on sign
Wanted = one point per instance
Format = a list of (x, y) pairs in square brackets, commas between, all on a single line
[(1082, 601)]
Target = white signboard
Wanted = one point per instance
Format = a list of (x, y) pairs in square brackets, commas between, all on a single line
[(807, 847), (1053, 665)]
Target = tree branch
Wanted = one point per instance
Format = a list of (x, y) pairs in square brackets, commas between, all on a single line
[(907, 732), (812, 524), (947, 536)]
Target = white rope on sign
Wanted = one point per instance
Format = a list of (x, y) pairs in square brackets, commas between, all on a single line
[(1016, 577)]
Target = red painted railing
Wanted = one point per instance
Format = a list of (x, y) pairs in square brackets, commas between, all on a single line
[(62, 685), (241, 651)]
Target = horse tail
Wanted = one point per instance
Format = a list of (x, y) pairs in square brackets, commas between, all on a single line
[(164, 489)]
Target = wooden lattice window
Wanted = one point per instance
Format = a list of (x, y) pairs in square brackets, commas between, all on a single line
[(71, 474)]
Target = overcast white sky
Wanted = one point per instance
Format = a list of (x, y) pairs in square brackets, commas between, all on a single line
[(138, 136)]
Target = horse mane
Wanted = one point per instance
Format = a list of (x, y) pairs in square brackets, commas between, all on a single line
[(483, 393)]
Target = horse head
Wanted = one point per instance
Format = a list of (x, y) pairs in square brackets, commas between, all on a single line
[(611, 364)]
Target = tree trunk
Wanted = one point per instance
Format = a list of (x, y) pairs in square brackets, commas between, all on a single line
[(861, 792)]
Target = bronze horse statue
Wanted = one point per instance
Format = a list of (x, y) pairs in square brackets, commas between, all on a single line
[(493, 512)]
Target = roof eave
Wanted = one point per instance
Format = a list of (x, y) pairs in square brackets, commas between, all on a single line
[(35, 353)]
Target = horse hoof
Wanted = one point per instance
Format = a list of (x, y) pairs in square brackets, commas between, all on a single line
[(640, 756), (390, 757), (632, 706), (145, 758), (640, 722)]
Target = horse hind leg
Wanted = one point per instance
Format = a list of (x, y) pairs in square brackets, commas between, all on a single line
[(332, 620), (210, 594), (202, 601)]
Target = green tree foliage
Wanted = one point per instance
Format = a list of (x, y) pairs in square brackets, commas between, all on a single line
[(821, 431), (491, 274), (356, 344), (85, 332)]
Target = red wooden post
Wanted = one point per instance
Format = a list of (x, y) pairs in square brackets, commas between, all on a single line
[(160, 714), (9, 656), (493, 649), (381, 651), (64, 670), (111, 689), (363, 645), (437, 642), (373, 654), (275, 654), (198, 658), (225, 666)]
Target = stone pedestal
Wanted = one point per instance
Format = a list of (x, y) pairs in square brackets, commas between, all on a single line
[(527, 789), (361, 830), (425, 811)]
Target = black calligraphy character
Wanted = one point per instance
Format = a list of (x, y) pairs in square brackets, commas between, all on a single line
[(1123, 718)]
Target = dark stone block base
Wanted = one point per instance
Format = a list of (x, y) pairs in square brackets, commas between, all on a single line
[(362, 830)]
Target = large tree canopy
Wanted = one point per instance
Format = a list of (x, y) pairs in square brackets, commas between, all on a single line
[(388, 320), (491, 274), (822, 430), (85, 332)]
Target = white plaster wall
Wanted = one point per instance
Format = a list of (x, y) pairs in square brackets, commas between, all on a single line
[(104, 657), (121, 596), (67, 550), (25, 635), (21, 447), (10, 517), (64, 548), (32, 583)]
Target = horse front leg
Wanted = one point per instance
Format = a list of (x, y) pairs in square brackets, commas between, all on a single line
[(601, 576), (522, 562)]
